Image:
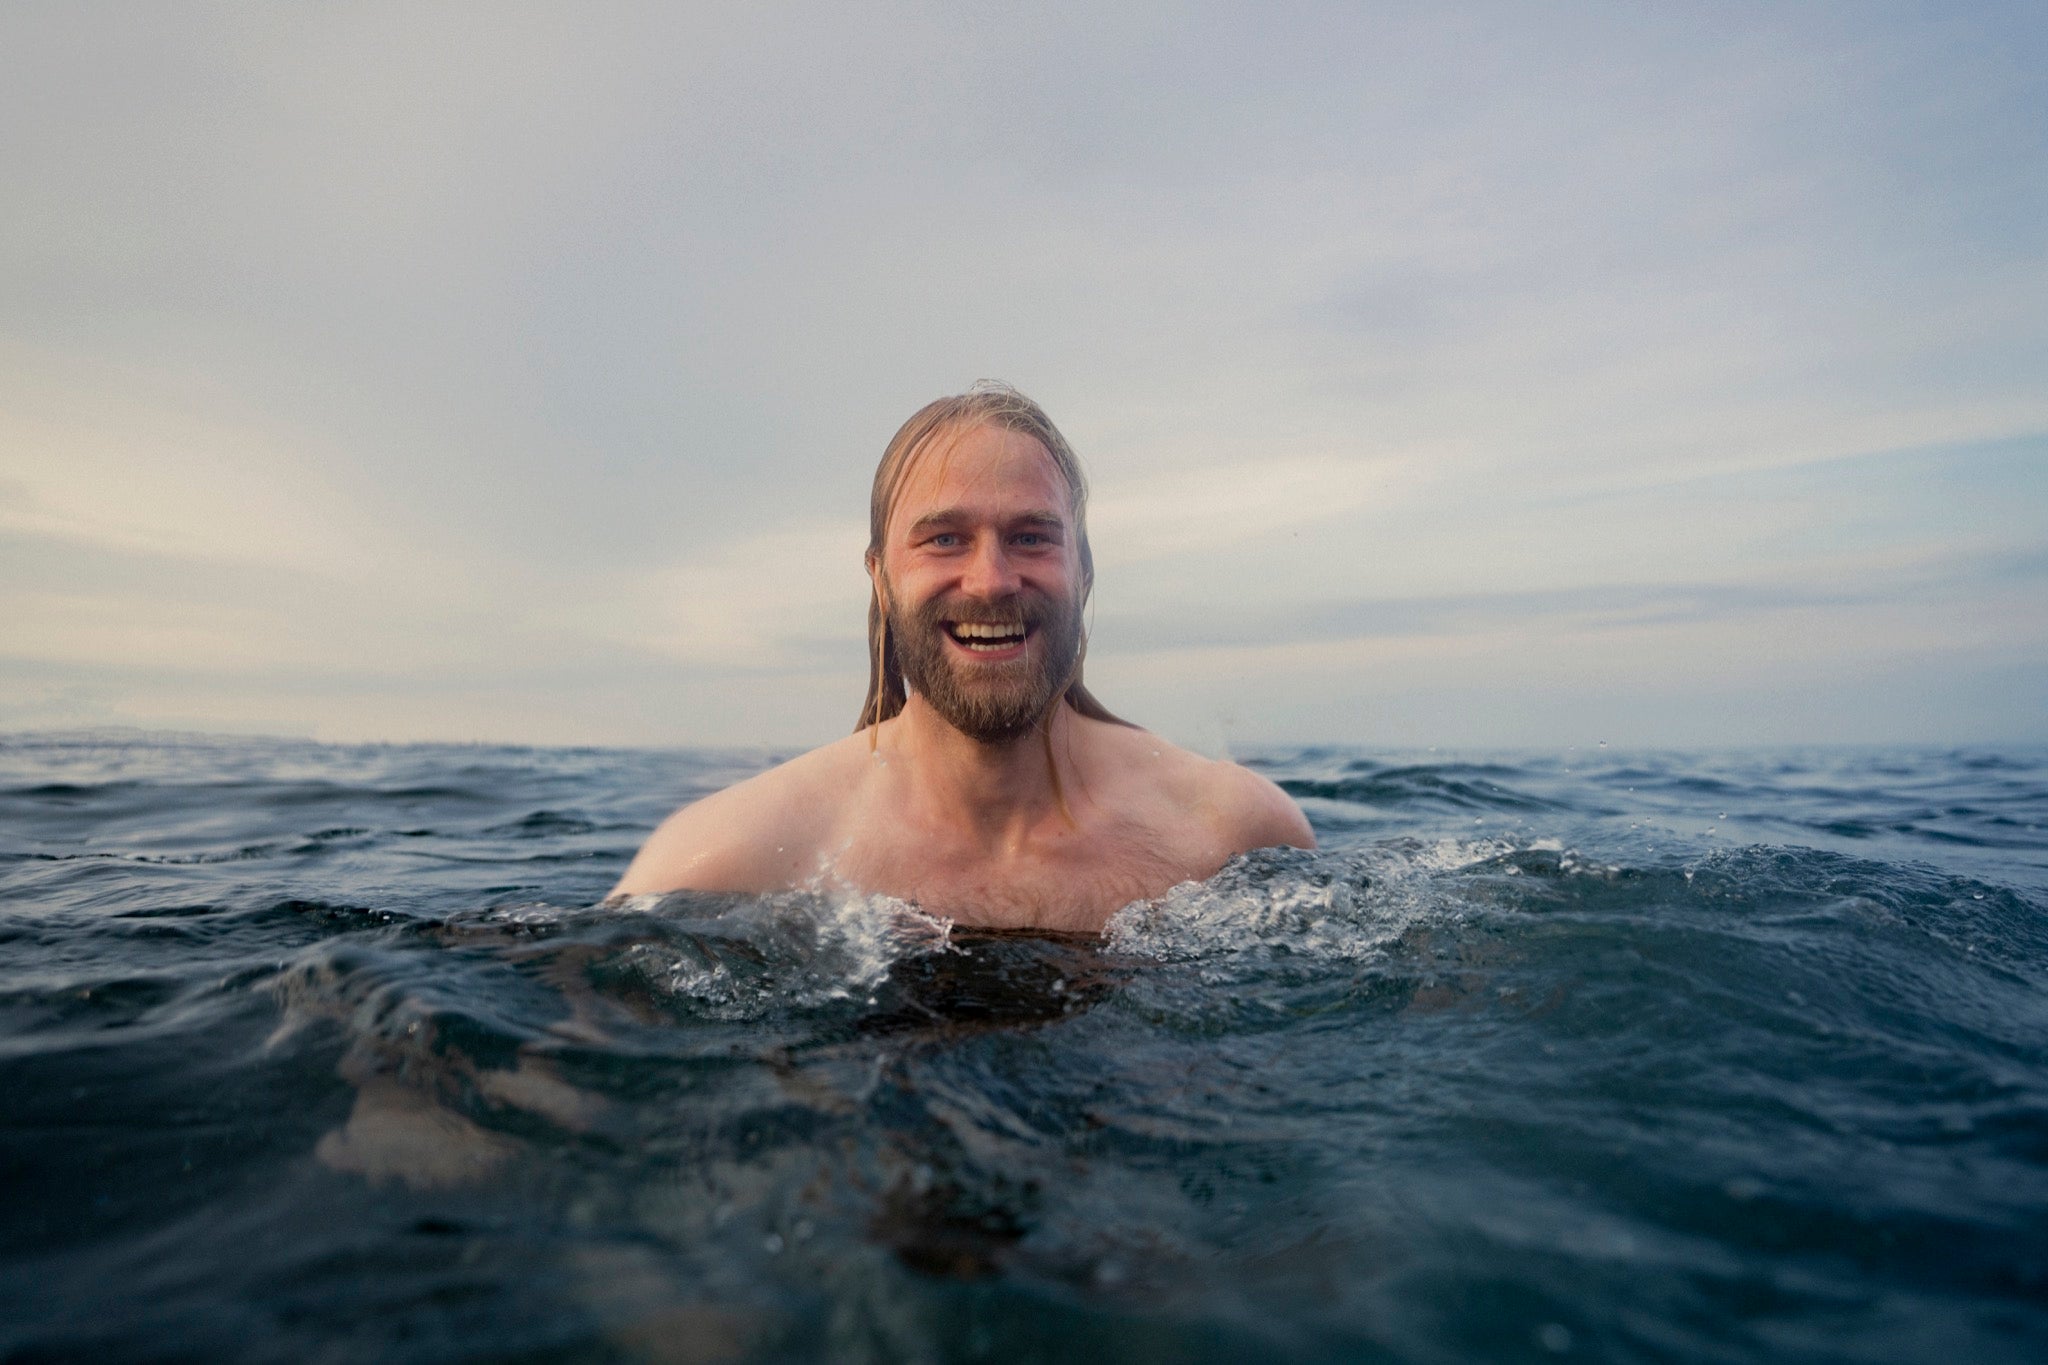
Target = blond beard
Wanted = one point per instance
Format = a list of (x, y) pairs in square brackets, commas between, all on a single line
[(993, 704)]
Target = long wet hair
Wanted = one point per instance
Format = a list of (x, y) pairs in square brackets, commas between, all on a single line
[(988, 403)]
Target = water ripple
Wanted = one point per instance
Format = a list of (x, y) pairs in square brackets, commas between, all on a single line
[(316, 1051)]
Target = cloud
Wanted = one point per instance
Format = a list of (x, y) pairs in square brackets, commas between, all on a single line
[(384, 346), (793, 596), (1607, 607), (1175, 514), (103, 456)]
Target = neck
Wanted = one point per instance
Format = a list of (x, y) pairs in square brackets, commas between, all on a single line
[(999, 792)]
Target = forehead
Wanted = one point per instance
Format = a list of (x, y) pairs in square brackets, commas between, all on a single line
[(981, 472)]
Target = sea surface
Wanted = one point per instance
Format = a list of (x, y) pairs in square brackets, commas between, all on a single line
[(331, 1053)]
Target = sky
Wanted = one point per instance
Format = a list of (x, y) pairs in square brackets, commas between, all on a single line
[(1475, 375)]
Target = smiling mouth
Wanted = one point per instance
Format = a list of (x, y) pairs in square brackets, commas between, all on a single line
[(983, 637)]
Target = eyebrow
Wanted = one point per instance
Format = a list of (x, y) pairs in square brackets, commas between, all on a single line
[(947, 516)]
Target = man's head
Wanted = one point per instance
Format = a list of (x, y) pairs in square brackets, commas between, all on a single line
[(978, 552)]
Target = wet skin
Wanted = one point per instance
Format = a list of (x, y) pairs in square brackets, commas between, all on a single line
[(977, 829)]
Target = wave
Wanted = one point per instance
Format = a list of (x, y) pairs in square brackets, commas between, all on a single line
[(1456, 787), (1647, 1063)]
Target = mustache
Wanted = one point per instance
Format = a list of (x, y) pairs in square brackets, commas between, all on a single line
[(1008, 611)]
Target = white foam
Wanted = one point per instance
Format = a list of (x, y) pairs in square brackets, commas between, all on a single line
[(797, 949), (1331, 906)]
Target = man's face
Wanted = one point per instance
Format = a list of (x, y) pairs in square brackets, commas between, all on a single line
[(982, 576)]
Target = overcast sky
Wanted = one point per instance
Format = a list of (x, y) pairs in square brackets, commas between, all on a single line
[(1447, 374)]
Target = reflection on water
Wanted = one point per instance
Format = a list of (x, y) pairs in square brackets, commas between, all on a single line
[(321, 1051)]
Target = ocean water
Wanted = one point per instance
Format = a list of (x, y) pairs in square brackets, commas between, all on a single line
[(320, 1052)]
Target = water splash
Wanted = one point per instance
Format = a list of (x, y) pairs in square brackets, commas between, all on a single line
[(743, 957), (1339, 906)]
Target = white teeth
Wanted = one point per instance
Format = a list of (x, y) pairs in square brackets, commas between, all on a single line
[(971, 630), (981, 636)]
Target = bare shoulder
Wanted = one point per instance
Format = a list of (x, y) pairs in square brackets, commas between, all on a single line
[(1244, 810), (763, 834)]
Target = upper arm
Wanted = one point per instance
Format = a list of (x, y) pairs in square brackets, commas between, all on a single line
[(683, 853), (1263, 816), (729, 841)]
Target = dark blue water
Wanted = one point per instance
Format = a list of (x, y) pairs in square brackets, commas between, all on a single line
[(313, 1052)]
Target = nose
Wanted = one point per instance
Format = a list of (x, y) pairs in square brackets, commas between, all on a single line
[(988, 573)]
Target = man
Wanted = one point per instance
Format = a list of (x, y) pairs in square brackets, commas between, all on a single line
[(984, 782)]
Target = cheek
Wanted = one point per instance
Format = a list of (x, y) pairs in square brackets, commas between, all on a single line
[(1066, 572), (896, 582)]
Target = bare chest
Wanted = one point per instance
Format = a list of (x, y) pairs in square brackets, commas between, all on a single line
[(1069, 880)]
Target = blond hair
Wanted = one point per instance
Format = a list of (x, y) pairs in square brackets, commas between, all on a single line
[(988, 403)]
